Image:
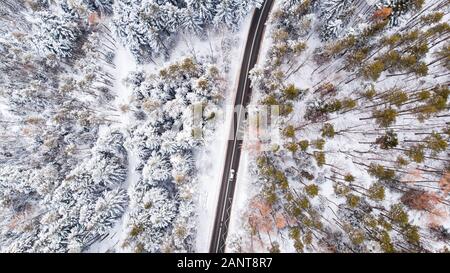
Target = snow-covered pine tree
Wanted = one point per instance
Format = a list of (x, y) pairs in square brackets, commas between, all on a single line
[(183, 166), (105, 7), (191, 21), (203, 9), (156, 170), (182, 238), (334, 15), (56, 34), (161, 208), (146, 27), (133, 32), (150, 221), (108, 209), (227, 14), (109, 161)]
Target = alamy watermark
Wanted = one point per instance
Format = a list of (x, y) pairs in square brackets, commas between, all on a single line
[(258, 125)]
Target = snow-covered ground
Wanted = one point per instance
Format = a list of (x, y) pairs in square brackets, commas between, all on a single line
[(124, 63)]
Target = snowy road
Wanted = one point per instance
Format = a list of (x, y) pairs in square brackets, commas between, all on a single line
[(223, 212)]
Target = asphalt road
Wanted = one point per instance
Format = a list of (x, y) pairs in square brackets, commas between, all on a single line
[(233, 155)]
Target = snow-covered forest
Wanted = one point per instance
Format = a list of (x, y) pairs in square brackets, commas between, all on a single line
[(113, 126), (362, 164), (97, 100)]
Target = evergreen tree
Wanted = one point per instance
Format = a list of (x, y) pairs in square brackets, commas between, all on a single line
[(334, 15), (56, 34), (227, 14), (388, 141)]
